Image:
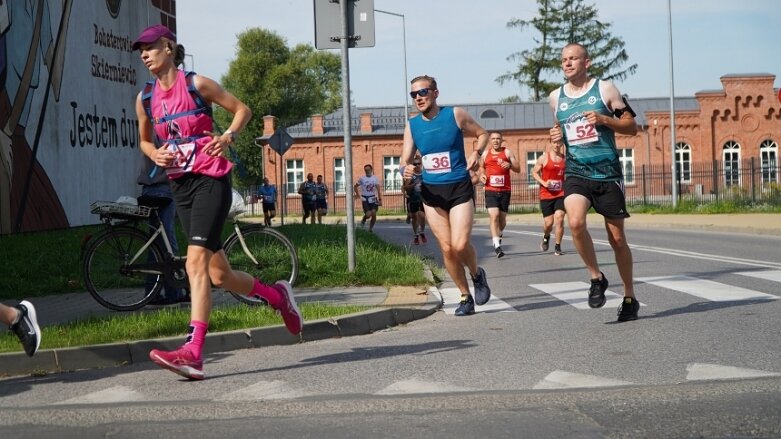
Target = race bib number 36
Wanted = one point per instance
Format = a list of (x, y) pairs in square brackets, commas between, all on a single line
[(581, 132), (437, 163)]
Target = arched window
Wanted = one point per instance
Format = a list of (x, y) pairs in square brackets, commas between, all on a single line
[(683, 162), (768, 158), (731, 155), (489, 114)]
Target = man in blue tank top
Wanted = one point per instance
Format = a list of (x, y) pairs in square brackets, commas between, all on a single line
[(589, 112), (447, 191)]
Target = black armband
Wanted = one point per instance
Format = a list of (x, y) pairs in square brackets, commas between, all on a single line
[(620, 111)]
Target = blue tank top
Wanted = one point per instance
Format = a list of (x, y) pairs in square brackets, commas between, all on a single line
[(441, 144), (591, 151)]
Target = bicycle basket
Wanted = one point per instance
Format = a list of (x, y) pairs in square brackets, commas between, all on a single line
[(110, 208)]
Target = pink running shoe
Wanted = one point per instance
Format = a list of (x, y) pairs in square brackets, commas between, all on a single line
[(288, 308), (180, 361)]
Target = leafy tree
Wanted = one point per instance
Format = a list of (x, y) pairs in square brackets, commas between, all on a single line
[(273, 79), (560, 22)]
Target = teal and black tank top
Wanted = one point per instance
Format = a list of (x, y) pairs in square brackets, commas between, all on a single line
[(591, 151)]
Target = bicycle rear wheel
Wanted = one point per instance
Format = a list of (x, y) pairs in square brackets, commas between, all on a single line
[(275, 257), (112, 269)]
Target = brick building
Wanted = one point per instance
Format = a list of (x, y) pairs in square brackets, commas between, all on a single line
[(732, 134)]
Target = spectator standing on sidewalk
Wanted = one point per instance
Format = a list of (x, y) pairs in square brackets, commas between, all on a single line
[(549, 174), (447, 189), (588, 114), (495, 166), (321, 199), (308, 192), (268, 198), (368, 188), (414, 203), (176, 132), (23, 321)]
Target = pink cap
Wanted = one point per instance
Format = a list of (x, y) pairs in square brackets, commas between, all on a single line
[(152, 34)]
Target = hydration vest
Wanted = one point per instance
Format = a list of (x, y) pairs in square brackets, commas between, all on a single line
[(200, 102)]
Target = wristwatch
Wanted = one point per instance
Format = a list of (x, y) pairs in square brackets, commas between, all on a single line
[(232, 134)]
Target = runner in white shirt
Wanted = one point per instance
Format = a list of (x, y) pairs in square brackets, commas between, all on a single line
[(367, 188)]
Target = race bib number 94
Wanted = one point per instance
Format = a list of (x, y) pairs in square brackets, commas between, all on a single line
[(437, 163), (496, 180), (581, 132)]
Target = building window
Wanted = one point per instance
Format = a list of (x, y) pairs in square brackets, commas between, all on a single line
[(768, 157), (489, 114), (731, 163), (295, 175), (339, 174), (683, 162), (531, 160), (627, 158), (390, 173)]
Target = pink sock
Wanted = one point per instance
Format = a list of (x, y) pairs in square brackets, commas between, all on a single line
[(196, 337), (271, 295)]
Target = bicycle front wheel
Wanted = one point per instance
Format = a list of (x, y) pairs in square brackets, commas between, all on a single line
[(271, 257), (116, 271)]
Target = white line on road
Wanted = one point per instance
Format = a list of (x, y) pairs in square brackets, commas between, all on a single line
[(559, 379), (704, 371), (774, 275), (576, 294), (452, 296), (705, 289)]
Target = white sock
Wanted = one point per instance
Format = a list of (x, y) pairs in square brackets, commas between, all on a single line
[(497, 241)]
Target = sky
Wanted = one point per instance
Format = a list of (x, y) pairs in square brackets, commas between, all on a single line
[(464, 44)]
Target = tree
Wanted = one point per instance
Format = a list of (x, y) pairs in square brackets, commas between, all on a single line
[(560, 22), (534, 64), (273, 79)]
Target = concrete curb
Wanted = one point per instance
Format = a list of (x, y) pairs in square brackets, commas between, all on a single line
[(136, 352)]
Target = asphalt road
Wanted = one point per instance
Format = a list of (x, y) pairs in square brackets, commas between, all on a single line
[(702, 360)]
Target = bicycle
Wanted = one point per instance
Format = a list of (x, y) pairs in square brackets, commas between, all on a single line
[(126, 266)]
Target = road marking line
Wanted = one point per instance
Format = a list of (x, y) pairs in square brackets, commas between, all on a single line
[(559, 379), (705, 289), (576, 294), (774, 275), (704, 371), (413, 386), (107, 396), (264, 390), (452, 296)]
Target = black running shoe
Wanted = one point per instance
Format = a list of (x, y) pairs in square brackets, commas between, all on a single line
[(466, 307), (482, 290), (557, 250), (27, 328), (545, 243), (499, 252), (628, 309), (596, 294)]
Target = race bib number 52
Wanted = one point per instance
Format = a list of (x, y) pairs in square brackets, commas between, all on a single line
[(581, 132), (437, 162)]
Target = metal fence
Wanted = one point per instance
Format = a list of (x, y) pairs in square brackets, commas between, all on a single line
[(742, 182)]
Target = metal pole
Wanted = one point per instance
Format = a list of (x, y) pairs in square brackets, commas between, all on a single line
[(346, 123), (673, 158), (404, 45)]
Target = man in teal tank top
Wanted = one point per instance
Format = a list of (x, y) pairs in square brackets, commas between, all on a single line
[(589, 112), (447, 191)]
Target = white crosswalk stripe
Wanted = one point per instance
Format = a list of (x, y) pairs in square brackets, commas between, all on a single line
[(774, 275), (559, 379), (706, 289), (114, 394), (452, 296), (704, 371), (576, 294)]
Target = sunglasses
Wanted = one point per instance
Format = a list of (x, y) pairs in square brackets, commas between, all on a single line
[(422, 92), (416, 164)]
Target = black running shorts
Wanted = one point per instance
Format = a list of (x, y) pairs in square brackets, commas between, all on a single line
[(203, 203), (607, 197), (447, 196)]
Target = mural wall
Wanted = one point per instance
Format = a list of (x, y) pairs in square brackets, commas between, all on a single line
[(68, 127)]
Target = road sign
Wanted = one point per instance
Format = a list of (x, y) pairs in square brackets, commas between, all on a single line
[(328, 23), (280, 141)]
